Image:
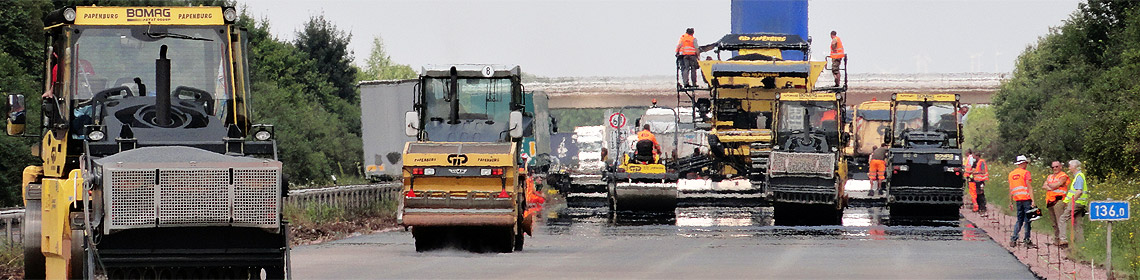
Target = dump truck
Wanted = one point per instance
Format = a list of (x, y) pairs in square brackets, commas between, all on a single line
[(152, 165), (925, 153), (462, 182)]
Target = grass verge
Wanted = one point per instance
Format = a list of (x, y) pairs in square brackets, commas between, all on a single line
[(1125, 246), (314, 223)]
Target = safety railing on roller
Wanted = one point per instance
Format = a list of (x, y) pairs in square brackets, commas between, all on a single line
[(345, 196)]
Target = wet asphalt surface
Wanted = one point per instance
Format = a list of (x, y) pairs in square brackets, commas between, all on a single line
[(586, 241)]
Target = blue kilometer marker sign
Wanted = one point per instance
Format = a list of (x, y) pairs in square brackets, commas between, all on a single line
[(1109, 210)]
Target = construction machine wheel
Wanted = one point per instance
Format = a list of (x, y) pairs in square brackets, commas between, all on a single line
[(519, 233), (273, 273), (508, 239), (34, 261), (426, 239), (78, 256)]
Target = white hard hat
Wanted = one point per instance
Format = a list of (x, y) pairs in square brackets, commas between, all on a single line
[(1021, 159)]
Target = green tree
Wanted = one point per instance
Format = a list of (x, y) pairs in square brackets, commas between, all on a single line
[(291, 93), (379, 65), (328, 47)]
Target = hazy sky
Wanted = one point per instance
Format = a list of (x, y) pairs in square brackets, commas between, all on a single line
[(634, 38)]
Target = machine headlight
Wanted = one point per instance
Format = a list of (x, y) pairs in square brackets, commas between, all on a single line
[(904, 168), (485, 172), (229, 14), (429, 171), (263, 132), (263, 135), (96, 135), (69, 14)]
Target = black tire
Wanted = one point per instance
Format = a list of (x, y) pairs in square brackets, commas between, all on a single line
[(508, 239), (34, 261), (78, 256), (426, 239), (273, 273)]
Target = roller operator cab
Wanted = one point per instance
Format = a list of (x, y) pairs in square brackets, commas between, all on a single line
[(461, 175), (925, 154), (806, 166), (151, 164)]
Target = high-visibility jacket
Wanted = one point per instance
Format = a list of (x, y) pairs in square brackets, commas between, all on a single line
[(1019, 184), (981, 172), (1084, 198), (837, 48), (1056, 178), (687, 45), (646, 135)]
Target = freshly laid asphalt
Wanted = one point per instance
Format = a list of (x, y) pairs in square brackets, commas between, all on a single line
[(694, 242)]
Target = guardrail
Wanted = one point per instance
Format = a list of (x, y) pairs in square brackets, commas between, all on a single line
[(345, 196), (337, 196), (13, 219)]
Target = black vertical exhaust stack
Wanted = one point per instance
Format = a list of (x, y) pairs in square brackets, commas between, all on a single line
[(162, 82), (453, 92)]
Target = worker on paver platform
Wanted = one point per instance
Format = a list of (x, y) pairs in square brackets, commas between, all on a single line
[(1021, 196), (837, 55), (1076, 204), (1056, 186), (687, 58), (979, 173), (877, 170)]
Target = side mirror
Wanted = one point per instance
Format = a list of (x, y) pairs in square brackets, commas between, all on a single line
[(17, 115), (516, 124), (411, 123)]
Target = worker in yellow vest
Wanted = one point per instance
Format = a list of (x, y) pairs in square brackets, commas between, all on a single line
[(1076, 204), (1022, 197)]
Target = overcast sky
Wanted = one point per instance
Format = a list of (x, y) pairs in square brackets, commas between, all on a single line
[(635, 38)]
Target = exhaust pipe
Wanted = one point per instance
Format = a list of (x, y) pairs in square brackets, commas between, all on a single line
[(453, 92), (162, 82)]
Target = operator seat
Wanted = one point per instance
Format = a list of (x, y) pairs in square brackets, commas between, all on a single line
[(644, 152)]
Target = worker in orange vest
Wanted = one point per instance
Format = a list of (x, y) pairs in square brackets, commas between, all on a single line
[(1022, 197), (837, 55), (978, 173), (645, 134), (687, 60), (1056, 186)]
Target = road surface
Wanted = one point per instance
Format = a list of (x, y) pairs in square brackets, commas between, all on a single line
[(694, 242)]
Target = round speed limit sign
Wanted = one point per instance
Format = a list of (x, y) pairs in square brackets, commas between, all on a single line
[(617, 120)]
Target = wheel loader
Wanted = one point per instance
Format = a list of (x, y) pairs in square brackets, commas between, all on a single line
[(462, 182), (152, 166)]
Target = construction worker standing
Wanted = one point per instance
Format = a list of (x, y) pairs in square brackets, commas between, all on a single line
[(1076, 204), (1056, 186), (687, 58), (979, 173), (1022, 197), (877, 170), (837, 55)]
